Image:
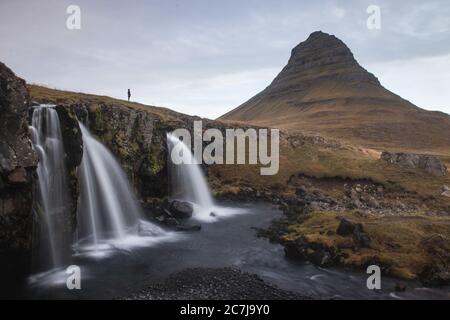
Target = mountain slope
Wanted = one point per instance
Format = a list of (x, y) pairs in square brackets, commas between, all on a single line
[(324, 90)]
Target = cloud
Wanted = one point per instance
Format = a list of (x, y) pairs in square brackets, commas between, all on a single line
[(206, 57)]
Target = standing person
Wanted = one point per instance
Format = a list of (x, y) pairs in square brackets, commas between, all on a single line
[(129, 94)]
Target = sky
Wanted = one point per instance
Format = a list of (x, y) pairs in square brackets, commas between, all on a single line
[(206, 57)]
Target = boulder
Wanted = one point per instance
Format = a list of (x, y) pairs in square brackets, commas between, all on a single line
[(430, 164), (345, 228), (181, 209), (360, 237)]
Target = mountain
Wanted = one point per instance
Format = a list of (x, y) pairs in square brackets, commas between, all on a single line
[(323, 90)]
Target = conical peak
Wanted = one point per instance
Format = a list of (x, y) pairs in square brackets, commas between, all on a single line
[(321, 45)]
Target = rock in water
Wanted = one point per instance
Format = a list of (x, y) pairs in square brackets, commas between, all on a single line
[(186, 227), (181, 209)]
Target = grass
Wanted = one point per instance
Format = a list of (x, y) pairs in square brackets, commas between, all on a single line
[(44, 94), (401, 243), (346, 162)]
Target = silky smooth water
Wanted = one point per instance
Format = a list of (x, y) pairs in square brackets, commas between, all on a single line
[(51, 208), (188, 183), (187, 180), (109, 216)]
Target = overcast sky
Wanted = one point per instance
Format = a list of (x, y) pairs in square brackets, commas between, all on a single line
[(205, 57)]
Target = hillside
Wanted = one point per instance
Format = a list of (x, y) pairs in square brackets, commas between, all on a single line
[(324, 90), (42, 94)]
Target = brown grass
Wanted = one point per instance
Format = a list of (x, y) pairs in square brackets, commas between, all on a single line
[(399, 242)]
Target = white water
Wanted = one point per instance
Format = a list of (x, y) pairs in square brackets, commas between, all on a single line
[(54, 235), (109, 217), (188, 183)]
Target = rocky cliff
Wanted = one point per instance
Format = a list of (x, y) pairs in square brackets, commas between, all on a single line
[(136, 134), (17, 169)]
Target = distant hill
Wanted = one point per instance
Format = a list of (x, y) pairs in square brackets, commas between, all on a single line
[(324, 90)]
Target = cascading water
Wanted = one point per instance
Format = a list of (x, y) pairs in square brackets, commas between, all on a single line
[(51, 204), (187, 181), (108, 213)]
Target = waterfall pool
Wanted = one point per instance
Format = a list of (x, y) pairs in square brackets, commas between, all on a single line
[(228, 242)]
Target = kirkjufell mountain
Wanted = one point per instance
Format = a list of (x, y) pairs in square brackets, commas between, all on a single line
[(324, 90)]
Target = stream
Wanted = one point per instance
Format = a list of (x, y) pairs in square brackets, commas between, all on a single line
[(230, 241)]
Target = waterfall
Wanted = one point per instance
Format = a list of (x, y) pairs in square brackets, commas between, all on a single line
[(52, 199), (107, 212), (187, 181)]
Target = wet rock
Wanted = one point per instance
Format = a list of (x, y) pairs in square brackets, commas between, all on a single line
[(188, 228), (435, 277), (303, 250), (73, 153), (147, 230), (17, 172), (72, 138), (181, 209), (428, 163)]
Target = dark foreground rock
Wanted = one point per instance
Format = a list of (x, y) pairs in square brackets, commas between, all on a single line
[(215, 284), (181, 209), (17, 169)]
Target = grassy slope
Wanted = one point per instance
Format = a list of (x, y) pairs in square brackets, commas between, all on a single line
[(43, 94)]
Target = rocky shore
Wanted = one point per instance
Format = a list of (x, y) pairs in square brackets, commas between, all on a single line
[(213, 284)]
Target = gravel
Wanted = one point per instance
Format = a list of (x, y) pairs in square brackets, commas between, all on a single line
[(213, 284)]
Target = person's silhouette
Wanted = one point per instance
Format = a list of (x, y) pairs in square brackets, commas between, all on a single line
[(129, 94)]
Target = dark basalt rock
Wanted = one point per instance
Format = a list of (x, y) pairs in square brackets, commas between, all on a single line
[(17, 172), (186, 227), (73, 149), (360, 237), (303, 250), (345, 228), (71, 133), (181, 209)]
